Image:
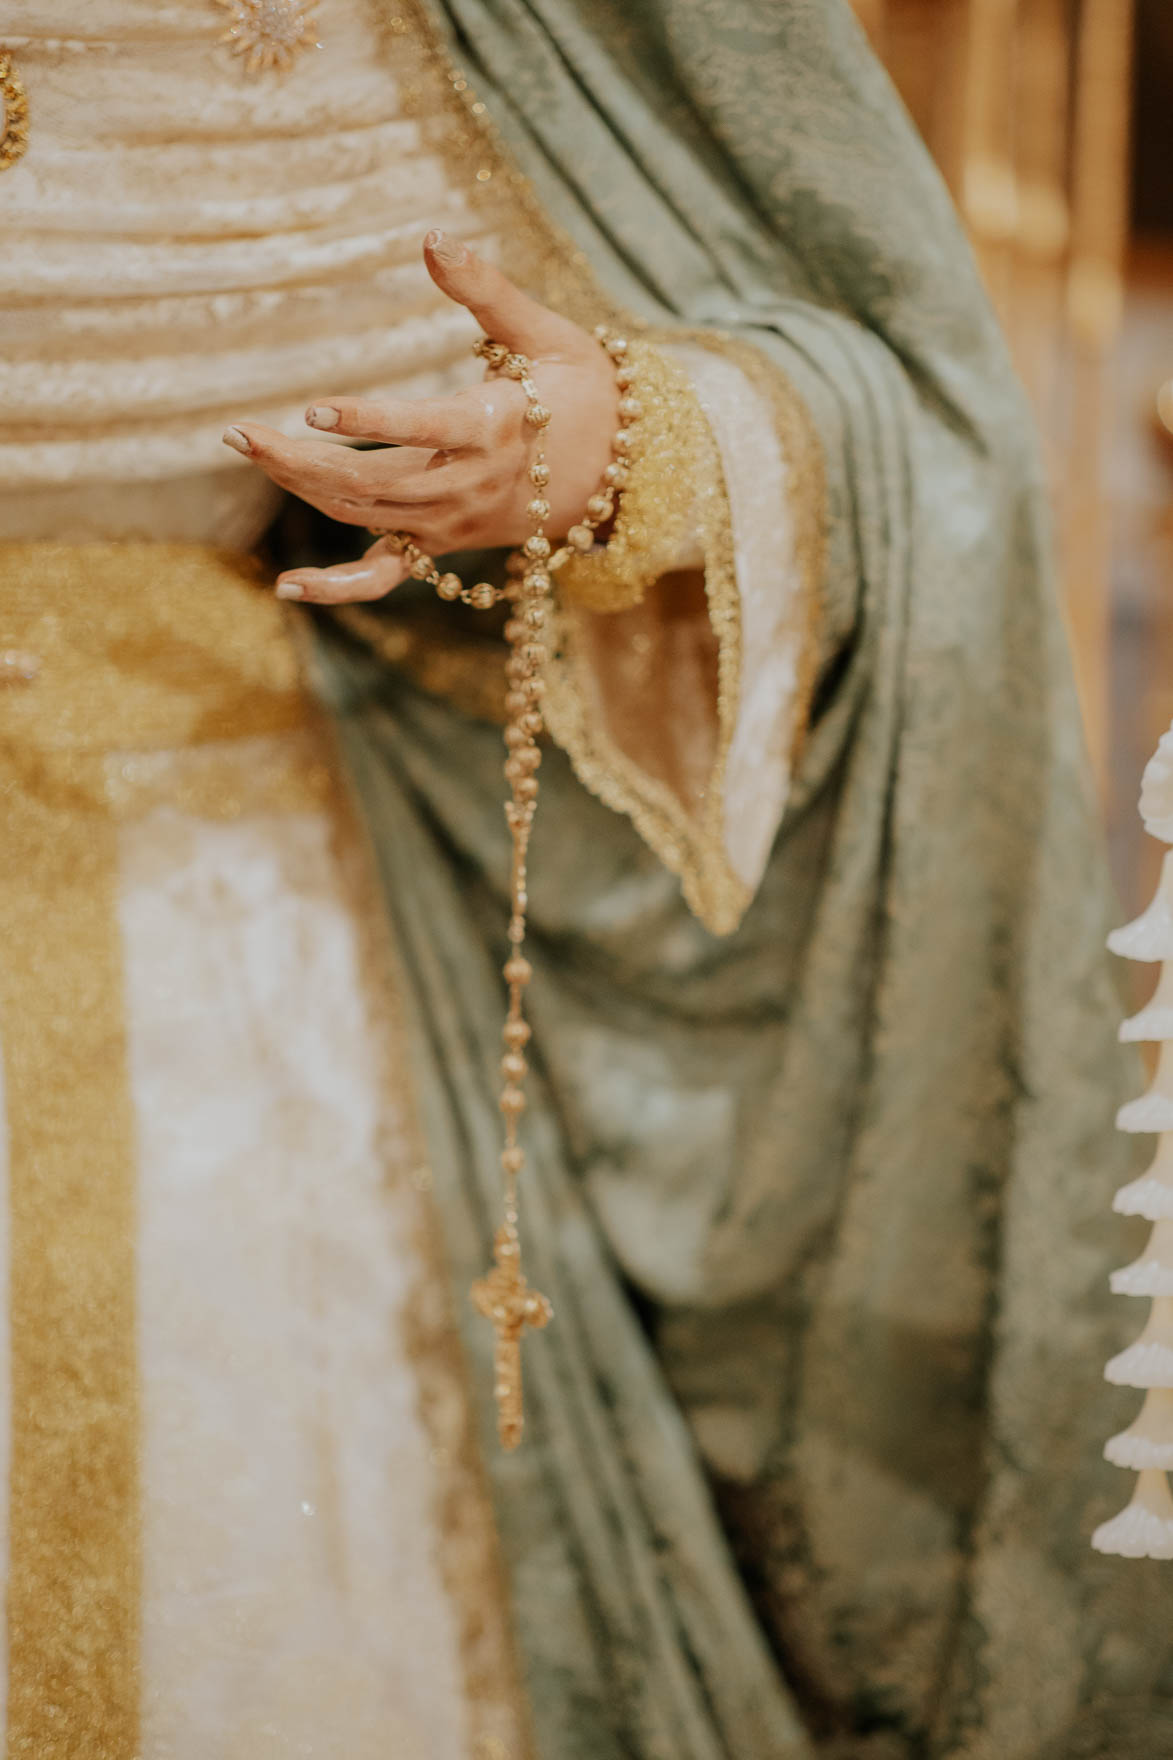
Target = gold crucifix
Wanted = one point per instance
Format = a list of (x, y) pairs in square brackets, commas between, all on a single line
[(504, 1297)]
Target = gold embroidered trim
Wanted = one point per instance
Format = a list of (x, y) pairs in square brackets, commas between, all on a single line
[(806, 483), (692, 848), (655, 510), (14, 139), (74, 1572)]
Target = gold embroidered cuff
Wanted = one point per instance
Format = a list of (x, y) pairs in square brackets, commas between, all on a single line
[(655, 519)]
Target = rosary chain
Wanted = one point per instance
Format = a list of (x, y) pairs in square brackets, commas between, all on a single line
[(503, 1295)]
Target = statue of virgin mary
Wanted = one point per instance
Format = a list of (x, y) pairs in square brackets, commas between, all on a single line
[(822, 1073)]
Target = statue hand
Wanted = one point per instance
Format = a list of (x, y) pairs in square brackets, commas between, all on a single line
[(453, 470)]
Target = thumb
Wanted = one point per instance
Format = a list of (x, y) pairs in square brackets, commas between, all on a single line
[(501, 309)]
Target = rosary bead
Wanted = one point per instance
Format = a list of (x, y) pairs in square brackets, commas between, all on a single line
[(527, 789), (532, 724), (483, 596), (514, 1066), (514, 704), (537, 547), (517, 930), (533, 688), (534, 616), (621, 442), (539, 473), (537, 581), (421, 567), (616, 474), (515, 735), (630, 408), (515, 770), (600, 507), (518, 970), (581, 538), (512, 1101), (538, 509), (514, 629), (516, 1033), (624, 375), (515, 366), (537, 415), (449, 586), (512, 1160), (530, 389), (616, 347), (534, 654)]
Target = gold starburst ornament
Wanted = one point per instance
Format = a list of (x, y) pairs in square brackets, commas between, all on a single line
[(269, 35)]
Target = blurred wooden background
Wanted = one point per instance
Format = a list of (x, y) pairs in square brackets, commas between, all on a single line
[(1052, 121)]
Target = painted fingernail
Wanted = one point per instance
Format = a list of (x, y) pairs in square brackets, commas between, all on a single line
[(446, 249), (320, 415), (290, 590), (238, 441)]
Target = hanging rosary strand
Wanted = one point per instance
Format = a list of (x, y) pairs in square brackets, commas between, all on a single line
[(503, 1295)]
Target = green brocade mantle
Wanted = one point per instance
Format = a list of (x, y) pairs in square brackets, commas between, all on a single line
[(822, 1207)]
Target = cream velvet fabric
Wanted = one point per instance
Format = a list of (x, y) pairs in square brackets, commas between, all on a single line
[(185, 243), (292, 1596)]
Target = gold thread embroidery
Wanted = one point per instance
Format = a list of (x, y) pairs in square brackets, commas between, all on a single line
[(692, 848), (270, 35), (653, 519), (73, 1589), (806, 494), (14, 138)]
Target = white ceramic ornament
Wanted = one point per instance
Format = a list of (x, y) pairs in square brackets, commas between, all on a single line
[(1144, 1529)]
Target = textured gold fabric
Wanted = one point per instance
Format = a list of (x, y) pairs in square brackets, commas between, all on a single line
[(140, 645), (608, 682), (73, 1586), (654, 516)]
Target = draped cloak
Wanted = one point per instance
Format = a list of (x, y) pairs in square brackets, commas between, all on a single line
[(812, 1458)]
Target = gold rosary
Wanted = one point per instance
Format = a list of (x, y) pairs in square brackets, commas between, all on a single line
[(503, 1295)]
